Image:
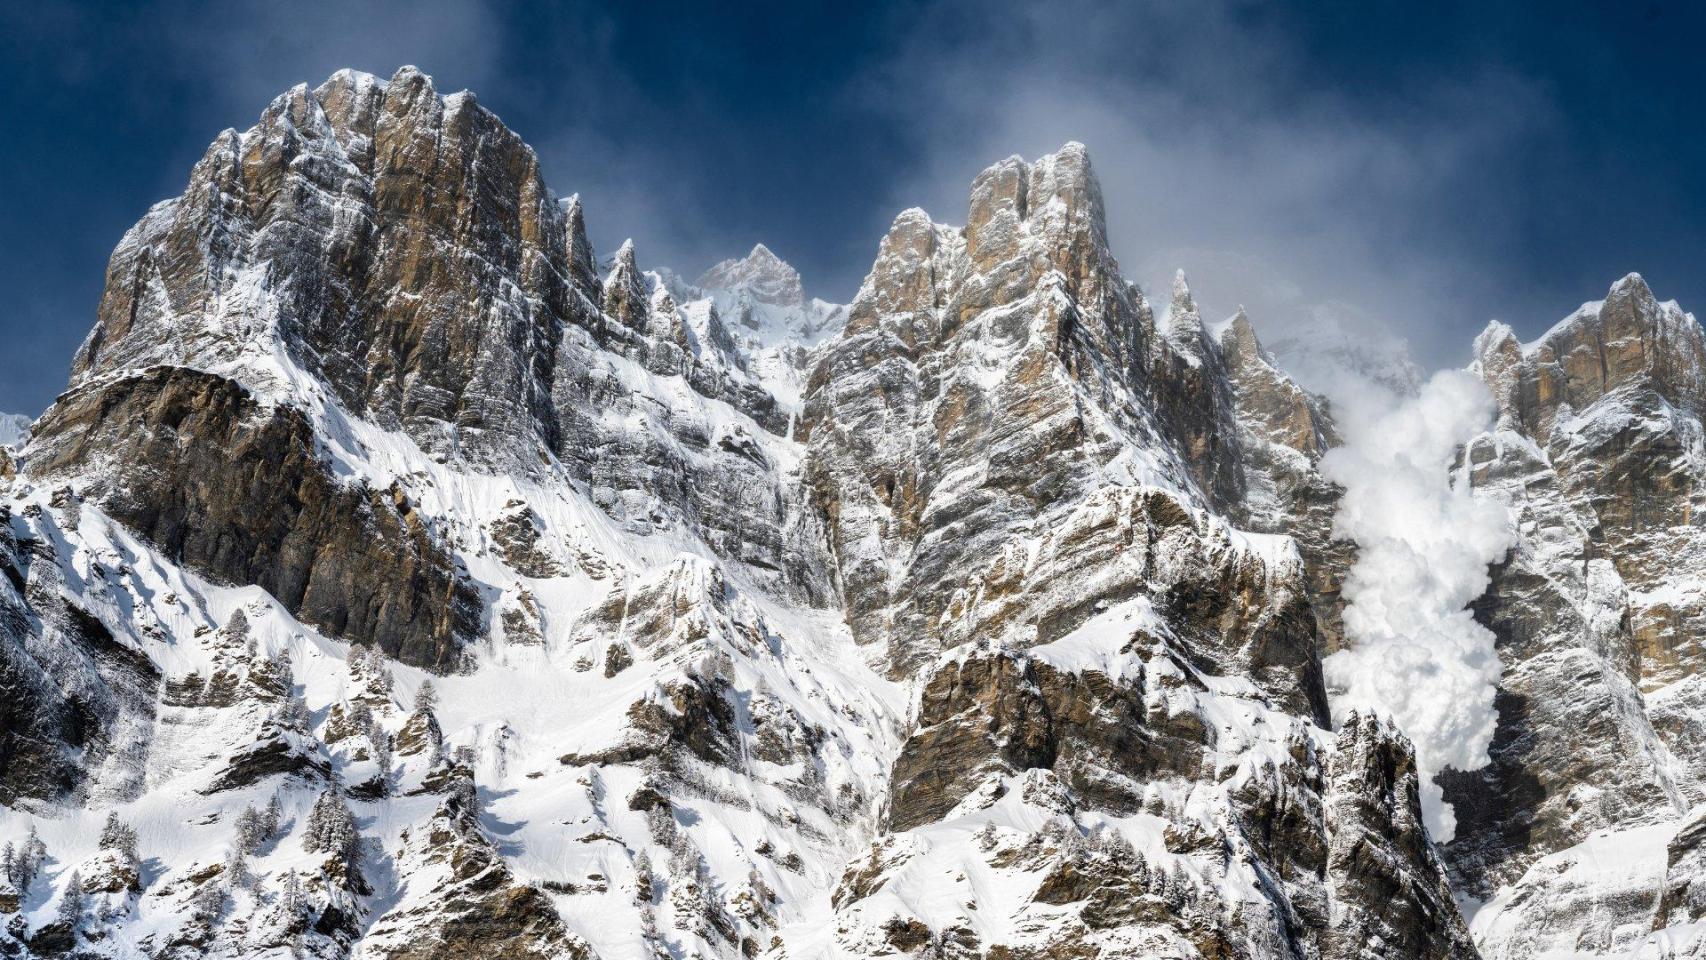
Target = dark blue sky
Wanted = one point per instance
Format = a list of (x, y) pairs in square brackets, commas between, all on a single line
[(1423, 167)]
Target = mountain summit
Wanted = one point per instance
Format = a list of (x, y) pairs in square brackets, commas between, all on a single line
[(763, 275)]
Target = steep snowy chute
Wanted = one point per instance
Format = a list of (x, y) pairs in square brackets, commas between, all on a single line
[(1424, 544)]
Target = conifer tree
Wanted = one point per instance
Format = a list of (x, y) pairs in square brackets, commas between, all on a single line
[(251, 835), (71, 902), (331, 828), (120, 836), (426, 697), (271, 817), (290, 892)]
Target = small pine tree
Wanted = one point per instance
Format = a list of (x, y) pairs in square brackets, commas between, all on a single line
[(237, 629), (208, 902), (426, 697), (361, 717), (331, 829), (238, 876), (9, 864), (250, 834), (271, 818), (644, 878), (120, 836), (30, 859), (290, 892), (71, 902), (292, 714), (381, 742)]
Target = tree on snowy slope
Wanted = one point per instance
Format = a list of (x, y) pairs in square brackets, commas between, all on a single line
[(332, 830), (119, 836), (71, 902)]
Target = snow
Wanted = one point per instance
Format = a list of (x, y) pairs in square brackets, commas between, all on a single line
[(14, 428), (1424, 542)]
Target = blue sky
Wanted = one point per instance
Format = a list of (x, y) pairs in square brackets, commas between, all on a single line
[(1423, 167)]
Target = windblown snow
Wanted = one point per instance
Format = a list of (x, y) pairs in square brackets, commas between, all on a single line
[(1424, 540)]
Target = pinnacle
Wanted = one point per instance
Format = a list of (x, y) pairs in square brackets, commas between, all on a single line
[(1182, 293)]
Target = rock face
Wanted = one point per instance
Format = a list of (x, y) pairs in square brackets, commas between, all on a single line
[(401, 582), (1614, 394), (1385, 880), (989, 387), (1597, 744), (252, 501)]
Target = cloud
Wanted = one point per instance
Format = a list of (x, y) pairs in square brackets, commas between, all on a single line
[(1424, 541), (1221, 152)]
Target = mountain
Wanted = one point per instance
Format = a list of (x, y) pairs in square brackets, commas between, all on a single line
[(396, 578)]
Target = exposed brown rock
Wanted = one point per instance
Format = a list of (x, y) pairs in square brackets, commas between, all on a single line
[(251, 501)]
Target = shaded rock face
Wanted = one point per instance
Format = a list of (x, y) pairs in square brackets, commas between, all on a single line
[(995, 714), (1383, 874), (250, 500), (1326, 834), (1283, 430), (1575, 750), (1597, 747)]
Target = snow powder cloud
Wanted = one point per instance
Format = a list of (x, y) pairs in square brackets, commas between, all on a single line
[(1424, 544)]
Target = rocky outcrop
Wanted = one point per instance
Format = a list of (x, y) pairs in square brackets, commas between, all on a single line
[(75, 701), (1596, 748), (1574, 750), (253, 500), (1283, 431), (1387, 886), (1002, 801), (462, 899)]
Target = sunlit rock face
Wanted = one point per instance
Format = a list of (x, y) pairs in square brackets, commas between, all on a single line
[(405, 580), (1598, 745)]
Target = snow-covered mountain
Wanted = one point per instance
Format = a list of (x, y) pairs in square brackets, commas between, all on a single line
[(395, 580)]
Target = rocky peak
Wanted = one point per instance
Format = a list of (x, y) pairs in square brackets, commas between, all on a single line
[(625, 297), (582, 269), (1628, 341), (1239, 341), (1268, 399), (987, 381), (1183, 304), (1183, 322), (761, 274)]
